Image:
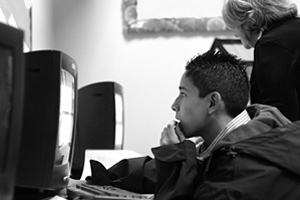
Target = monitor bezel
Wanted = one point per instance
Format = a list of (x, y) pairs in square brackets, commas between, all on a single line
[(12, 38)]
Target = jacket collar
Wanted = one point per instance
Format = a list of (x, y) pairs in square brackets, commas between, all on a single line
[(276, 24), (264, 118)]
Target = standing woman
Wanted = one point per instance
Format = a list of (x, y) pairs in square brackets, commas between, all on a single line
[(273, 29)]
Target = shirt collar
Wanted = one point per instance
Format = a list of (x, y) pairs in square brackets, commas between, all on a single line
[(242, 118)]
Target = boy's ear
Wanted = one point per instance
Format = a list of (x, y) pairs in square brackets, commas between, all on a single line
[(215, 100)]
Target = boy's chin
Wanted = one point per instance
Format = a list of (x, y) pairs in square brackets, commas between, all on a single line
[(189, 134)]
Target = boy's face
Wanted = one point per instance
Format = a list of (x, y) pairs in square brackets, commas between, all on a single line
[(191, 110)]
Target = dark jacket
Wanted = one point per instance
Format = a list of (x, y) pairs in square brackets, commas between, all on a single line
[(275, 78), (259, 160), (252, 162)]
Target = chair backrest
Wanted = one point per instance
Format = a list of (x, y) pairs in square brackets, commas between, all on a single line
[(100, 121)]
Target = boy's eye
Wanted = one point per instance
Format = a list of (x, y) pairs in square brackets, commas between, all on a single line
[(182, 94)]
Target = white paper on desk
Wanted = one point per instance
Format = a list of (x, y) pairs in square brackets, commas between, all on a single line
[(107, 157)]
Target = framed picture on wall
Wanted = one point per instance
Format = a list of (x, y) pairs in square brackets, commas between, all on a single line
[(155, 16)]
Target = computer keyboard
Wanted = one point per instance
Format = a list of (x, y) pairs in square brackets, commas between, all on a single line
[(96, 192)]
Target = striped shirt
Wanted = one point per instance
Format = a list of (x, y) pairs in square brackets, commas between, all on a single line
[(242, 118)]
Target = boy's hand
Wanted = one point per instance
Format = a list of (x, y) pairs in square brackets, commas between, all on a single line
[(171, 134)]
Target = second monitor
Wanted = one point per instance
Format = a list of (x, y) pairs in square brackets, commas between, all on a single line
[(100, 122)]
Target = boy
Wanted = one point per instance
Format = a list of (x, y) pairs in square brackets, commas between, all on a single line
[(212, 101), (218, 148)]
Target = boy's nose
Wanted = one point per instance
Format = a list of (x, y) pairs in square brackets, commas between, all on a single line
[(174, 107)]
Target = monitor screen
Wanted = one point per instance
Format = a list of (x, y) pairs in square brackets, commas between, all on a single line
[(66, 117), (119, 112)]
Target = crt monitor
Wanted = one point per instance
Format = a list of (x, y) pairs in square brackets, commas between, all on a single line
[(100, 121), (49, 119), (11, 105)]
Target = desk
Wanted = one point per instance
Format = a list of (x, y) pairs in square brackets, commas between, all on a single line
[(35, 194), (106, 157)]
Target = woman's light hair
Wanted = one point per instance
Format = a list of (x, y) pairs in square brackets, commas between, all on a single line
[(256, 14)]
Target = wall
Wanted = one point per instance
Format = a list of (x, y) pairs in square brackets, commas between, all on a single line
[(149, 67)]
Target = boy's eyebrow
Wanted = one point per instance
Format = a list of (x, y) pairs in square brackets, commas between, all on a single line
[(182, 88)]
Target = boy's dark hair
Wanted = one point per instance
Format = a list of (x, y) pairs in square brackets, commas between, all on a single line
[(224, 73)]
